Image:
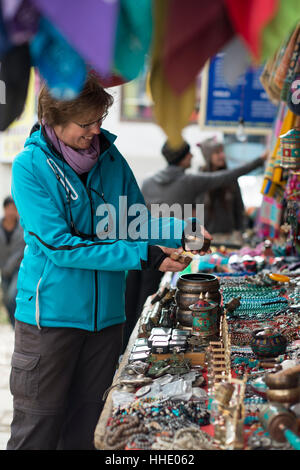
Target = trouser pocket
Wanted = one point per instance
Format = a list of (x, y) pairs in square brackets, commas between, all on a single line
[(24, 377)]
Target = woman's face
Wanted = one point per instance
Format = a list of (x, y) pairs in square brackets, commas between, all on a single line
[(79, 133), (218, 159), (10, 212)]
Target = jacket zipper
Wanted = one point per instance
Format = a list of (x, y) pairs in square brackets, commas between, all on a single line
[(93, 238), (95, 272)]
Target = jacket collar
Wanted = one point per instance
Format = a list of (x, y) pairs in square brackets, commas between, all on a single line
[(39, 137)]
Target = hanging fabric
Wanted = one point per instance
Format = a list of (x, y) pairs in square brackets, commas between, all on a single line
[(5, 42), (108, 82), (14, 80), (282, 24), (269, 218), (194, 32), (58, 63), (249, 18), (172, 111), (21, 20), (267, 77), (283, 65), (133, 37), (292, 69), (89, 26), (273, 177)]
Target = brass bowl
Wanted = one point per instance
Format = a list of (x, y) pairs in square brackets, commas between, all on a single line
[(291, 395), (279, 381), (189, 287)]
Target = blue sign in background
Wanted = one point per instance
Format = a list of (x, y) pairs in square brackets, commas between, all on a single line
[(247, 100)]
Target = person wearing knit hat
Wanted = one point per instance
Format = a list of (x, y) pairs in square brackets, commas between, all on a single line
[(213, 153), (173, 185), (223, 205)]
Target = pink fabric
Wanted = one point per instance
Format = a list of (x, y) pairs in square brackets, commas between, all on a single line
[(81, 161)]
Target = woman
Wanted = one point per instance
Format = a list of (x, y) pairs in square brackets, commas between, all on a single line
[(223, 204), (70, 302)]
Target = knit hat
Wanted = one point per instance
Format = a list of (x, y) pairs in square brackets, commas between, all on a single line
[(175, 156), (208, 147)]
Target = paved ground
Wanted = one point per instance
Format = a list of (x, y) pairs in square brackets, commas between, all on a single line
[(6, 348)]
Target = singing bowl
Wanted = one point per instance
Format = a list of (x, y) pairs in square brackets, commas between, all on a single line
[(290, 395)]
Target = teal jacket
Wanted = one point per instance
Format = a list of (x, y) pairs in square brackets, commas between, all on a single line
[(72, 273)]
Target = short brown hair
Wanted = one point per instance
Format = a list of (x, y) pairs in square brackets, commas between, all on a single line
[(56, 112)]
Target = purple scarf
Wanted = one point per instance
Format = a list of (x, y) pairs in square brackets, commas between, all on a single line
[(81, 161)]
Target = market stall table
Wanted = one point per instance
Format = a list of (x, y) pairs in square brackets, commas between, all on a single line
[(204, 421)]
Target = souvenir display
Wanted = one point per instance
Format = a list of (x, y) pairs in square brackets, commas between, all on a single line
[(205, 386), (290, 149)]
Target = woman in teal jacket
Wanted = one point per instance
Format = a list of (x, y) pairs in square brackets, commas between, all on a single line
[(72, 189)]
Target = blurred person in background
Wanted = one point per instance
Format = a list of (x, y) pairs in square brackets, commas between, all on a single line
[(224, 211), (11, 253)]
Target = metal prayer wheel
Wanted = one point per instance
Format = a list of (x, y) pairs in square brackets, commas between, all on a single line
[(189, 287), (290, 149), (274, 418), (205, 317)]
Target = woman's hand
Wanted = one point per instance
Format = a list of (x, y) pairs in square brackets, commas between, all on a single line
[(170, 264), (207, 235), (194, 241)]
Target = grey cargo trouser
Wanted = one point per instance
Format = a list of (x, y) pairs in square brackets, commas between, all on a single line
[(58, 377)]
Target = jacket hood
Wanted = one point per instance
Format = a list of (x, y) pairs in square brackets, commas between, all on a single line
[(168, 174), (38, 137)]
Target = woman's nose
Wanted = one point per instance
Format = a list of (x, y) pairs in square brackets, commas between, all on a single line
[(95, 129)]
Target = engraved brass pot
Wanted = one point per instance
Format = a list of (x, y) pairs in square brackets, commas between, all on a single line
[(189, 287)]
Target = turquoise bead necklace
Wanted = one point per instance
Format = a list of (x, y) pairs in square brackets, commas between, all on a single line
[(255, 302)]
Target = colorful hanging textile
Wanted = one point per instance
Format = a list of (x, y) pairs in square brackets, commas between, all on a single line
[(268, 75), (274, 175), (133, 37), (282, 24), (292, 198), (249, 18), (107, 82), (21, 20), (292, 69), (172, 112), (285, 60), (59, 64), (14, 74), (269, 218), (194, 32), (89, 26), (5, 42)]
